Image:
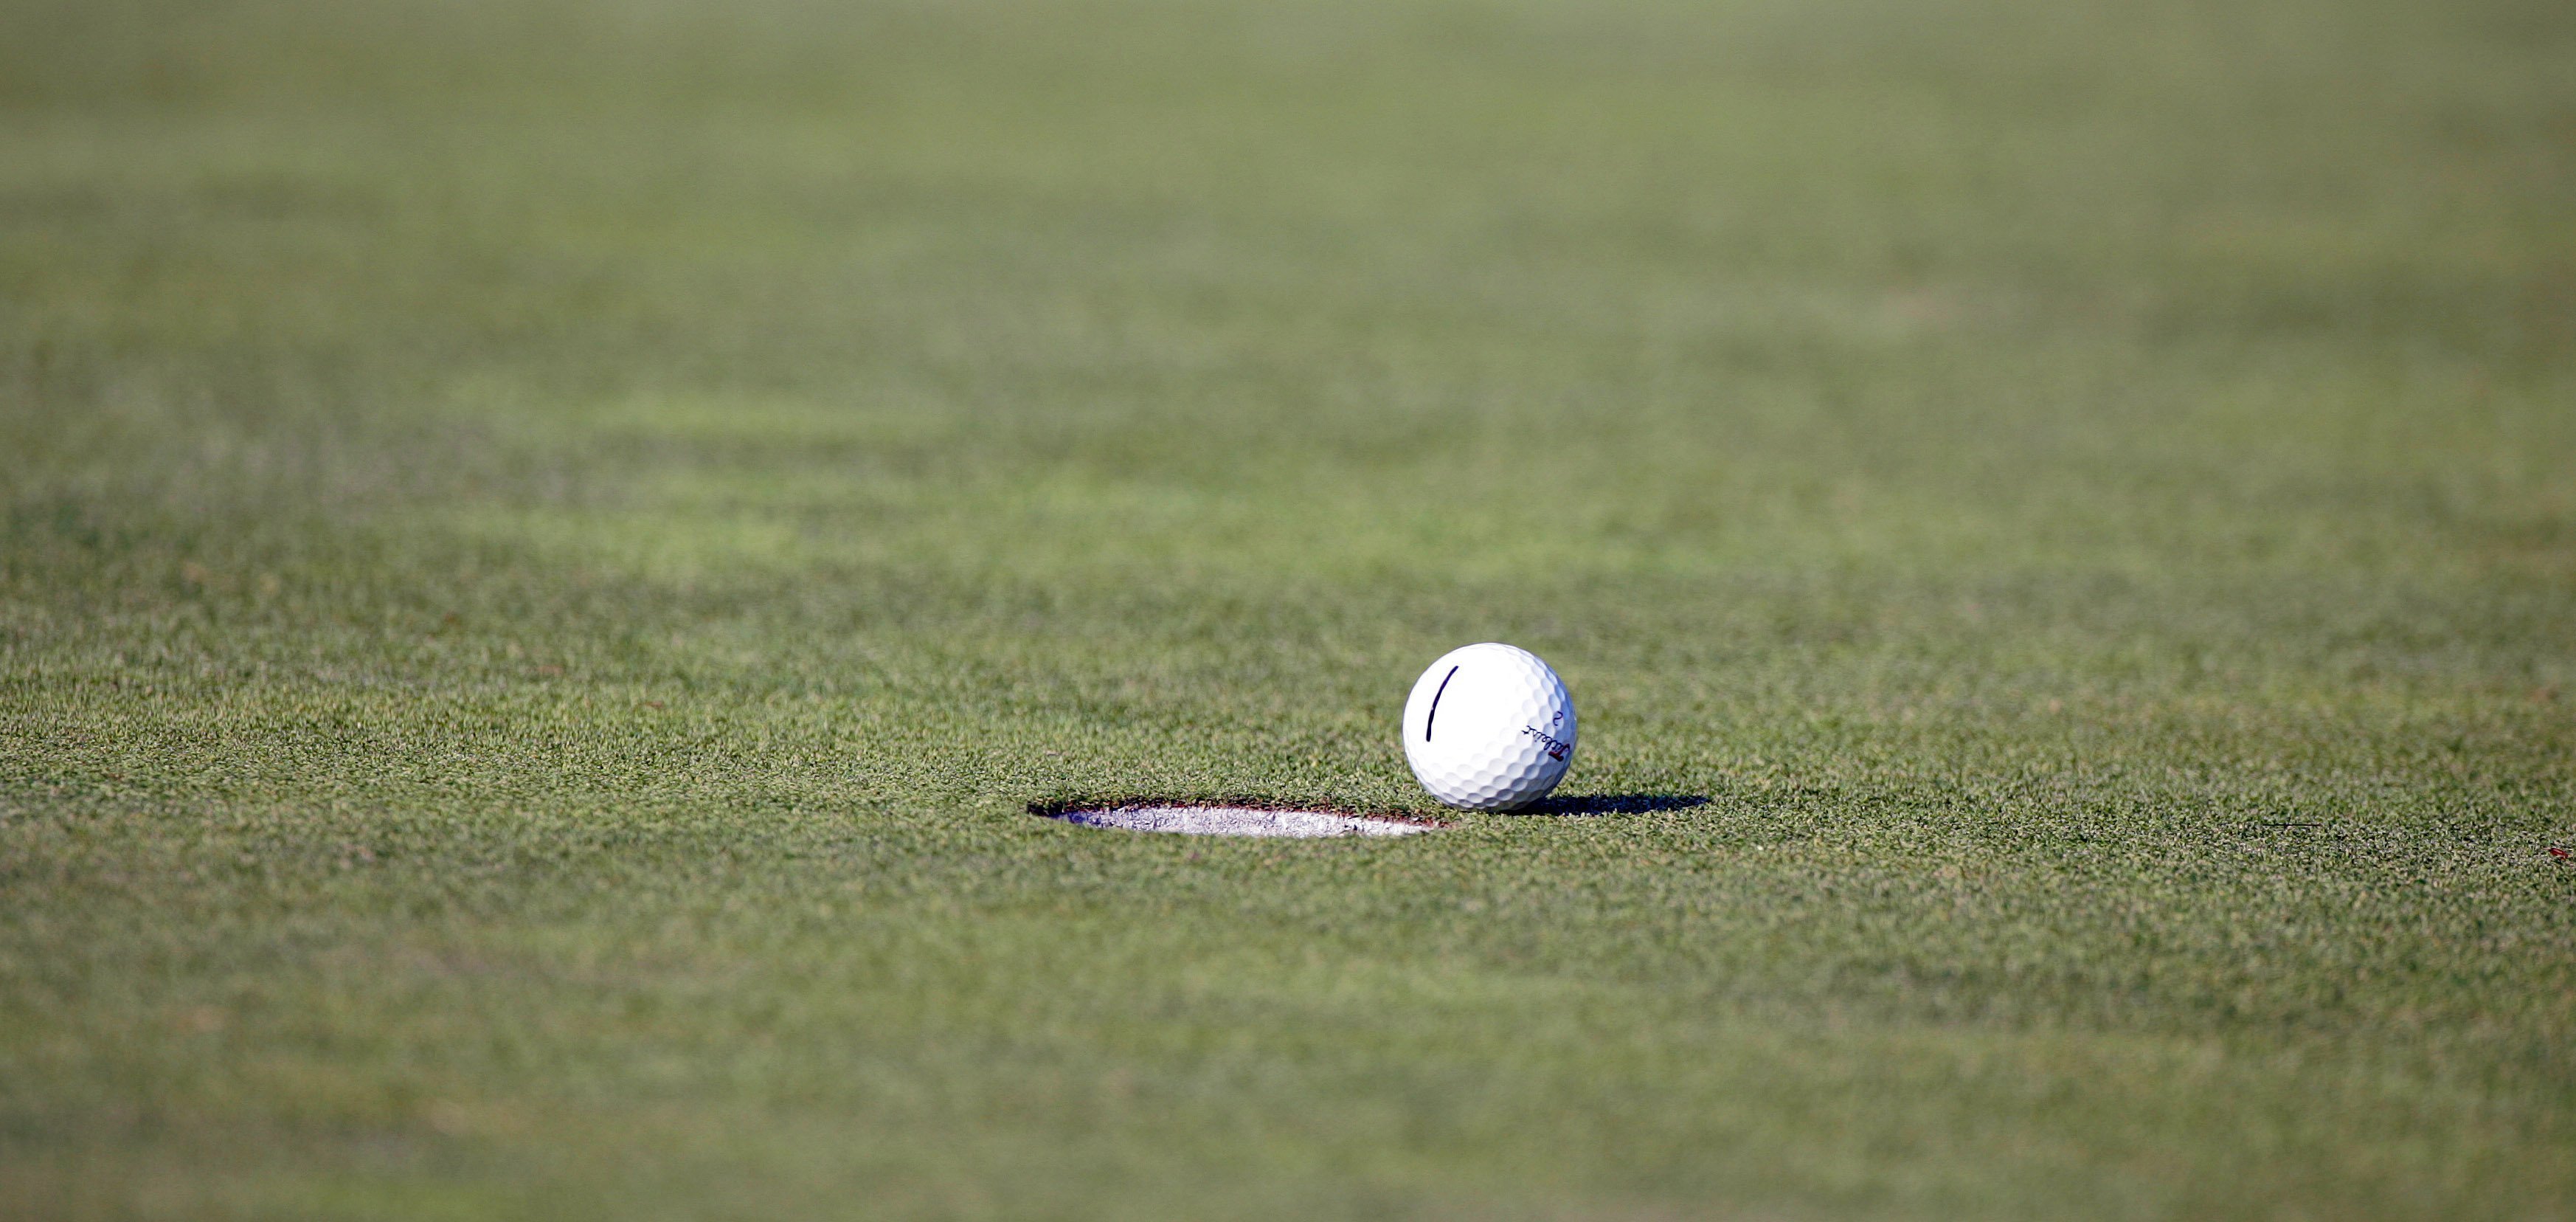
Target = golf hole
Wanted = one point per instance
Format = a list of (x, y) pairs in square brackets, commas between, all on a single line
[(1235, 821)]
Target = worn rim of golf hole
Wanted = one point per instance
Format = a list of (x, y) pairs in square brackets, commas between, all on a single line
[(1190, 820)]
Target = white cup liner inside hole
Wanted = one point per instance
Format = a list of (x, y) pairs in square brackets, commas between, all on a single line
[(1239, 821)]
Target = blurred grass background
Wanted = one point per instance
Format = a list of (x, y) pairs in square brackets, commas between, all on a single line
[(549, 548)]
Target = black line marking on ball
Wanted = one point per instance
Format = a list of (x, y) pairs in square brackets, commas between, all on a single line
[(1434, 714)]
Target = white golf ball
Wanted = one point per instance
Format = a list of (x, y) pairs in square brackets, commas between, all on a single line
[(1489, 727)]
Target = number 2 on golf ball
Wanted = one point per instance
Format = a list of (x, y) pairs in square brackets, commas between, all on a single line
[(1489, 727)]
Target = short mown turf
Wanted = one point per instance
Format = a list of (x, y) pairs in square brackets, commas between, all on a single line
[(550, 550)]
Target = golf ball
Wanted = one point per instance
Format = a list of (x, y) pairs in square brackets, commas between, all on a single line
[(1489, 727)]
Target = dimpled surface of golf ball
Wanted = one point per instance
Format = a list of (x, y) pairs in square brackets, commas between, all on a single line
[(1489, 727)]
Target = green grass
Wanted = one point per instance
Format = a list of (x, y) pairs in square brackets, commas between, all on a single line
[(550, 547)]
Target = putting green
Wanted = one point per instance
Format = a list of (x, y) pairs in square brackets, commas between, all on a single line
[(548, 551)]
